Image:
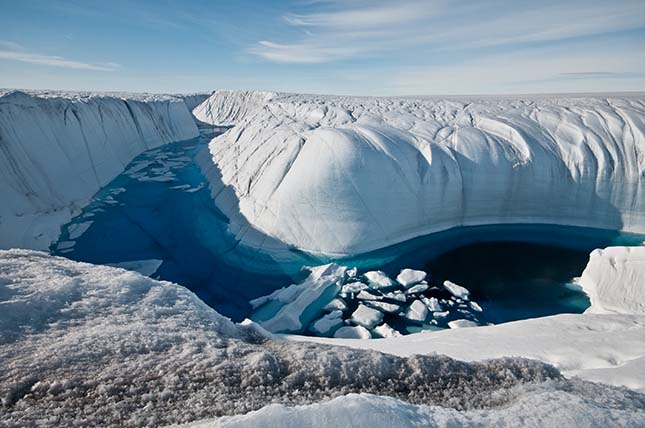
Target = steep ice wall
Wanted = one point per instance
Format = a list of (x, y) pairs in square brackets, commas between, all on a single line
[(614, 279), (58, 149), (229, 107), (339, 175)]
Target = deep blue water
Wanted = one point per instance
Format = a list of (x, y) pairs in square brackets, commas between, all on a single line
[(161, 208)]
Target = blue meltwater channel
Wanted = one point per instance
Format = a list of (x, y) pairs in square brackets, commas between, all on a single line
[(159, 212)]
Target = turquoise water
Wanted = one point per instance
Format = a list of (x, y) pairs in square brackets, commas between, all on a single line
[(161, 208)]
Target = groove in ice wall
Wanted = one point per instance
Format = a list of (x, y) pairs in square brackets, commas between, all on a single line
[(343, 175), (58, 149)]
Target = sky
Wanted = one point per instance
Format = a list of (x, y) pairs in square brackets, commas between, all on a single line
[(359, 47)]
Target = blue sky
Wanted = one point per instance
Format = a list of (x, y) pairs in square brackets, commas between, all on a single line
[(324, 46)]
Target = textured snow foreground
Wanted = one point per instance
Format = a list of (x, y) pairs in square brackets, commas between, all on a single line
[(58, 149), (342, 175), (92, 345)]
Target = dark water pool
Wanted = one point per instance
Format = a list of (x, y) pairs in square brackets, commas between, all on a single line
[(160, 208)]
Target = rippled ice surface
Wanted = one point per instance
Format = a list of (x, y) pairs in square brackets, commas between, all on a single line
[(159, 217)]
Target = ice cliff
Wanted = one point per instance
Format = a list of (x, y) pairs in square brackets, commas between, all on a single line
[(343, 175), (58, 149)]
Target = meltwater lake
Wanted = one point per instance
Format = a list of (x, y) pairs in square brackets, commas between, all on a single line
[(159, 217)]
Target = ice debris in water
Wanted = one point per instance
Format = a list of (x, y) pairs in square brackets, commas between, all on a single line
[(335, 301), (456, 290)]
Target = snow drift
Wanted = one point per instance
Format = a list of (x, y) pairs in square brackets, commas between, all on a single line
[(534, 408), (341, 175), (58, 149)]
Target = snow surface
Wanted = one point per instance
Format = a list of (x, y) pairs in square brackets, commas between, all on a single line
[(344, 175), (59, 149), (85, 345), (614, 280), (534, 407)]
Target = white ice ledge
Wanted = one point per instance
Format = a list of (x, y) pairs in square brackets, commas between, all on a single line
[(341, 175)]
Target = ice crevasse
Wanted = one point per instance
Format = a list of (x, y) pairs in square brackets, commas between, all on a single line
[(58, 149), (344, 175)]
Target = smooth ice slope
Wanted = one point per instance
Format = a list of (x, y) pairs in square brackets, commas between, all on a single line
[(614, 279), (58, 149), (341, 175)]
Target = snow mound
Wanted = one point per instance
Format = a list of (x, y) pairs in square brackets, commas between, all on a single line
[(85, 345), (535, 407), (614, 280), (59, 149), (343, 176)]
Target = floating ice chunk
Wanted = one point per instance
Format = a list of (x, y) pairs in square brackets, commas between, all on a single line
[(337, 304), (462, 324), (417, 311), (302, 302), (384, 330), (76, 230), (351, 273), (353, 287), (396, 295), (64, 245), (328, 323), (366, 295), (432, 303), (440, 314), (144, 267), (196, 189), (456, 290), (181, 187), (353, 332), (389, 308), (378, 280), (419, 288), (367, 317), (409, 277), (475, 307)]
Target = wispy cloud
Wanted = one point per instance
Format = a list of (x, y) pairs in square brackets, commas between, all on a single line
[(304, 53), (388, 14), (56, 61), (347, 30), (11, 45)]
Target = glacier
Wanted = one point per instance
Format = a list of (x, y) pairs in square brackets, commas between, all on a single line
[(319, 175), (341, 176), (57, 149)]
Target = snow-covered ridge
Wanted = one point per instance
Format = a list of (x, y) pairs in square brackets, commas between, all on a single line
[(57, 149), (344, 175)]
